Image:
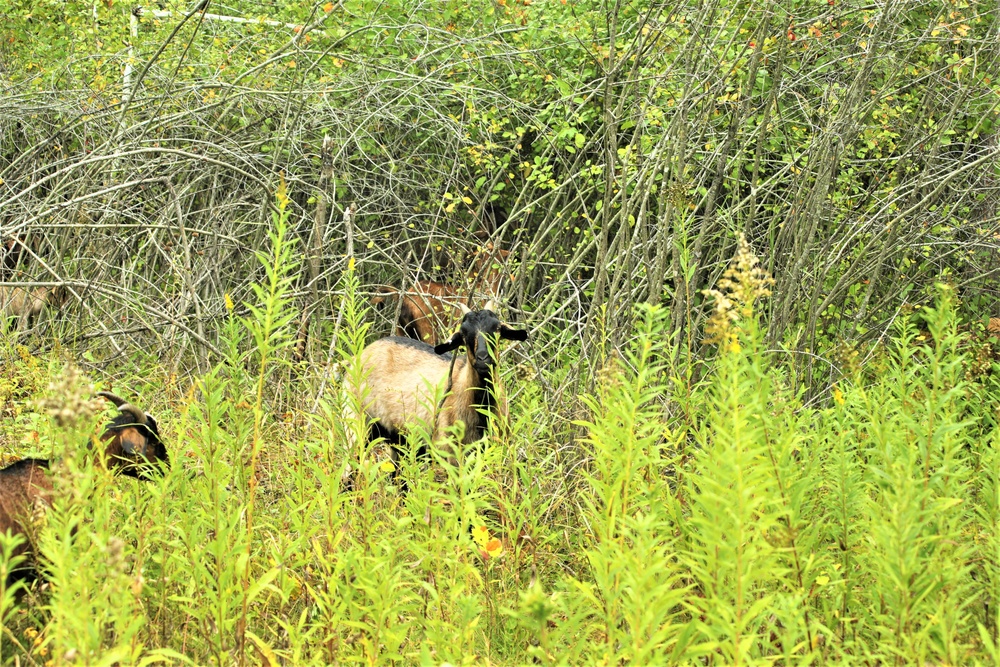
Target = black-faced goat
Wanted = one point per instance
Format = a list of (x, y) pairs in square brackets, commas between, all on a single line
[(401, 377), (132, 447), (132, 440)]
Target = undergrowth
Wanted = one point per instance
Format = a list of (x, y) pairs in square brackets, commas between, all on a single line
[(723, 523)]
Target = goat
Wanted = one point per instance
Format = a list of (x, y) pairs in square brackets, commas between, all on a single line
[(26, 305), (432, 305), (132, 442), (487, 269), (12, 249), (401, 376), (25, 491), (420, 309)]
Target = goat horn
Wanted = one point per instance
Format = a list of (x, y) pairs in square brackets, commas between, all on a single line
[(490, 305), (125, 407), (134, 412), (465, 309), (117, 400)]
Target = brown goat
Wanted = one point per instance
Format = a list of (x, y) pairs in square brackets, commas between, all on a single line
[(424, 309), (25, 491), (487, 272), (132, 442), (431, 306)]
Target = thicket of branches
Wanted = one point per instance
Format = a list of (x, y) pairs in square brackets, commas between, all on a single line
[(617, 150)]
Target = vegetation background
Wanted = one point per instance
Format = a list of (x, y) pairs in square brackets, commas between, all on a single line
[(720, 477)]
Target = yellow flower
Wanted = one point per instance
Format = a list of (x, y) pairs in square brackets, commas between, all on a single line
[(494, 548), (489, 546), (229, 303), (838, 397), (282, 193), (387, 466), (481, 535)]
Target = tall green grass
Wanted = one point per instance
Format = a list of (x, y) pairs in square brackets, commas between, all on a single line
[(722, 522)]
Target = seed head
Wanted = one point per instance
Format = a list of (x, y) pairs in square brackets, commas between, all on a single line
[(68, 399), (743, 283)]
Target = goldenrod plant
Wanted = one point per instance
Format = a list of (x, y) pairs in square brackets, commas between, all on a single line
[(659, 519)]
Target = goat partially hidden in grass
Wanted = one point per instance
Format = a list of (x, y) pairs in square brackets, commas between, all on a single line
[(25, 305), (25, 493), (431, 306), (401, 376), (132, 447), (423, 309)]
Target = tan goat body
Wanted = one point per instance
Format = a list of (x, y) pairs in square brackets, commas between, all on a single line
[(402, 377), (27, 304)]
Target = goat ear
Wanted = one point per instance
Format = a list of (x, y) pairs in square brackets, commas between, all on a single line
[(449, 345), (512, 334)]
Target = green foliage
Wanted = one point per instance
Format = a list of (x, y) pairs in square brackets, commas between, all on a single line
[(719, 521), (722, 522), (632, 594), (8, 592)]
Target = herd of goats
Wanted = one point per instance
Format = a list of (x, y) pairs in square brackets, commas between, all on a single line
[(402, 376)]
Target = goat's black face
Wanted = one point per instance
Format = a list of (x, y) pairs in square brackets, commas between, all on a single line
[(131, 444), (478, 334), (132, 439)]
